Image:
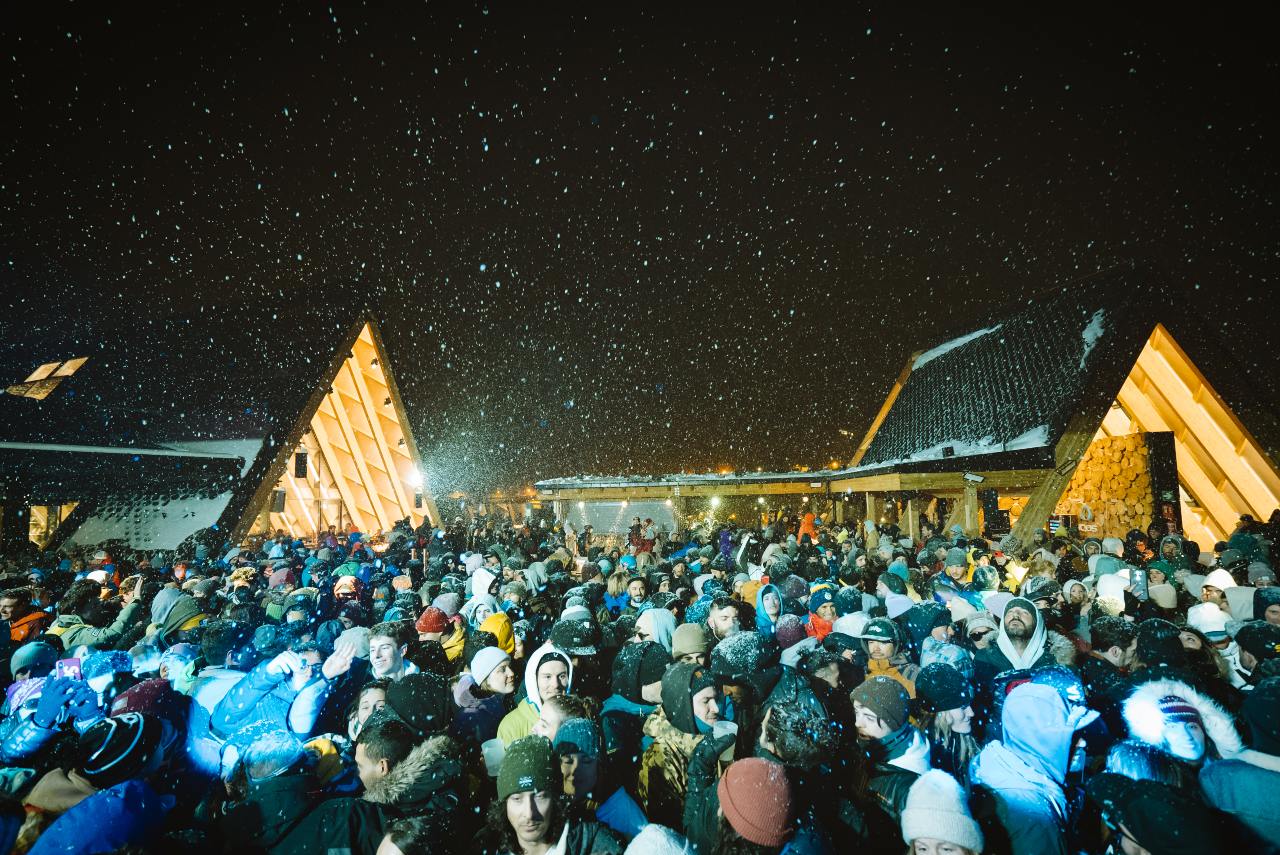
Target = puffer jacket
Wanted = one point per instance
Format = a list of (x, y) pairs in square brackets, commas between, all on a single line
[(73, 631), (664, 779)]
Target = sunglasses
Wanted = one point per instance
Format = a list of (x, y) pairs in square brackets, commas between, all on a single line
[(978, 636)]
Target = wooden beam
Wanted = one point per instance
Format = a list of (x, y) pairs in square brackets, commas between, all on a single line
[(873, 514), (889, 400), (1070, 448), (887, 483), (969, 510), (335, 468), (404, 506), (913, 519), (357, 455)]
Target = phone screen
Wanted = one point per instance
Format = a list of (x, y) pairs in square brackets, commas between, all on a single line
[(1140, 589), (69, 668)]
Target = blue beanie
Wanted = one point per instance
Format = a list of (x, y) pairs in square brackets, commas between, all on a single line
[(820, 598), (106, 662)]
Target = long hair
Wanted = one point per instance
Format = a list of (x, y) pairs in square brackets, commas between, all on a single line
[(497, 835), (730, 842), (616, 584), (961, 747), (1142, 761)]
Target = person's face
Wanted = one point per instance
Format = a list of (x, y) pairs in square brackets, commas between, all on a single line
[(371, 700), (1078, 595), (706, 705), (942, 633), (956, 572), (880, 650), (961, 719), (310, 667), (1190, 641), (530, 816), (1129, 655), (1019, 623), (1169, 550), (664, 587), (829, 674), (869, 725), (652, 693), (370, 771), (502, 679), (1272, 615), (548, 723), (1185, 740), (430, 636), (695, 659), (636, 590), (384, 656), (981, 637), (723, 622), (1247, 660), (933, 846), (553, 679), (10, 608), (826, 611), (346, 622), (772, 604), (580, 772), (882, 590), (860, 562), (1210, 594)]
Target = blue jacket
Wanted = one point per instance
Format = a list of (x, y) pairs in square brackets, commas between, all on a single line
[(764, 625)]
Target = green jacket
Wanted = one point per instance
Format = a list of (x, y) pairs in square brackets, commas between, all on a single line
[(73, 631)]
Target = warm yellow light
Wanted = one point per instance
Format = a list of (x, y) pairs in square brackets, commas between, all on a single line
[(715, 501)]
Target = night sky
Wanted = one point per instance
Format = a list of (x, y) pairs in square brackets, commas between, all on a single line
[(617, 242)]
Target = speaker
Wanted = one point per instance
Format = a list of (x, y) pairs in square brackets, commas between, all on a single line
[(277, 502), (300, 465), (990, 501), (417, 500)]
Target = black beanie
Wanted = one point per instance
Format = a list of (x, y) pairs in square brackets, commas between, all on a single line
[(678, 691), (638, 665), (422, 701), (895, 583), (118, 748), (940, 687)]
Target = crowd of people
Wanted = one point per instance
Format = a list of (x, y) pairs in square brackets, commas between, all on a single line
[(797, 687)]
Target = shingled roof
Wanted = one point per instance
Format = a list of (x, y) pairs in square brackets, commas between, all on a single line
[(1001, 396)]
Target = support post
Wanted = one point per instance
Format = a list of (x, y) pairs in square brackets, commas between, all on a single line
[(969, 510), (873, 514), (913, 519)]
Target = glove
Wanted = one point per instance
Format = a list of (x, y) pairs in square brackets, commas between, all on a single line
[(82, 707), (284, 664), (54, 696)]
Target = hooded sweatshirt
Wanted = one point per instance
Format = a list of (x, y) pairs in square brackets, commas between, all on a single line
[(764, 625), (660, 624), (1003, 656), (519, 722), (1026, 768)]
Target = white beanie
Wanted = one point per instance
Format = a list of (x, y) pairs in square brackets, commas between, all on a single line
[(656, 839), (898, 604), (483, 663), (1209, 619), (936, 808), (1220, 579), (1112, 586), (472, 562)]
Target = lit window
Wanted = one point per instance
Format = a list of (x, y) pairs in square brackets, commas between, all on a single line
[(46, 378)]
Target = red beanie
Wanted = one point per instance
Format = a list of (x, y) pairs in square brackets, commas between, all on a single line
[(755, 796), (432, 620)]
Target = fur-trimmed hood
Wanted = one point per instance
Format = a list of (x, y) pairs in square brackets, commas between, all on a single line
[(1146, 722), (428, 769)]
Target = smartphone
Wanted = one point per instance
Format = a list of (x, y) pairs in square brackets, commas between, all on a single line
[(1138, 582), (69, 668)]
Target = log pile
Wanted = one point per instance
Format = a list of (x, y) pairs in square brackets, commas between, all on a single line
[(1114, 481)]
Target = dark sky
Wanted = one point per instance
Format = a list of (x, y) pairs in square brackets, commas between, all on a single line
[(637, 241)]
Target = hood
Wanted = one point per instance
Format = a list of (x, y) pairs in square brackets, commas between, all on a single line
[(478, 609), (660, 624), (1146, 722), (481, 580), (428, 769), (182, 612), (1040, 728), (764, 625), (1035, 647), (536, 575), (500, 626), (531, 673), (163, 602), (660, 729)]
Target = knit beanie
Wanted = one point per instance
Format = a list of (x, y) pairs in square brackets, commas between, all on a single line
[(578, 736), (748, 658), (848, 601), (895, 583), (956, 557), (937, 809), (820, 598), (1260, 639), (1178, 709), (755, 798), (118, 748), (422, 701), (528, 767), (985, 578), (886, 698), (637, 666), (449, 603), (432, 620), (484, 663), (940, 687), (789, 630), (36, 657), (689, 638), (795, 588)]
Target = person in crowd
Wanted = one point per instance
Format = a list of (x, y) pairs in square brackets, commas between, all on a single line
[(548, 672)]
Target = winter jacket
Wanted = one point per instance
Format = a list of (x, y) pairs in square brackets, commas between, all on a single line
[(1237, 786), (898, 668), (995, 659), (1105, 687), (898, 759), (477, 718), (267, 699), (663, 781), (793, 689), (622, 722), (422, 784), (204, 744), (28, 627), (73, 631)]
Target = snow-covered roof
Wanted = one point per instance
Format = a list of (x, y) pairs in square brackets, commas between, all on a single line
[(1013, 385), (678, 479)]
